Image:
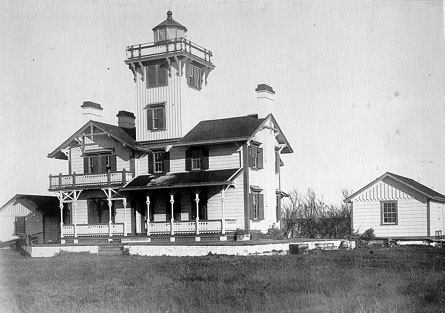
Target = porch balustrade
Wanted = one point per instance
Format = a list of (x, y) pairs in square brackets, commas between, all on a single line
[(92, 229), (57, 182), (189, 227)]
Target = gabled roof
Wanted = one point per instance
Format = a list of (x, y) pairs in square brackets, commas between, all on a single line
[(44, 204), (233, 129), (183, 179), (410, 183), (116, 132)]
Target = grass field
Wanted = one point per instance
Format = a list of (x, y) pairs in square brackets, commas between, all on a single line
[(405, 279)]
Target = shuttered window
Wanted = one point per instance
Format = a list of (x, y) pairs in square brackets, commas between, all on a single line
[(277, 162), (197, 159), (157, 75), (255, 157), (158, 162), (194, 76), (99, 164), (256, 206), (156, 117)]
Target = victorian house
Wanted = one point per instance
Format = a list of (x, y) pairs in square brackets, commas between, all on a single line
[(157, 174)]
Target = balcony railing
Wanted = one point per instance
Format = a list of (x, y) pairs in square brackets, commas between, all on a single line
[(74, 180), (170, 46)]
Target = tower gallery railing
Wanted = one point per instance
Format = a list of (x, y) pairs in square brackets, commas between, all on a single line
[(176, 45)]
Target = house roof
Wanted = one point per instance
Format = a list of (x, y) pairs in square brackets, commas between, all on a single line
[(116, 132), (183, 179), (411, 183), (240, 128), (170, 22), (44, 204)]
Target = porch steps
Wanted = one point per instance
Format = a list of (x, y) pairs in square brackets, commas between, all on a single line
[(109, 250)]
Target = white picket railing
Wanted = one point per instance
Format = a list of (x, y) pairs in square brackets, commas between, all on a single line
[(189, 227), (82, 180), (92, 229)]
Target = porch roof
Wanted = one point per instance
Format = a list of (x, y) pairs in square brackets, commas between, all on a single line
[(183, 179)]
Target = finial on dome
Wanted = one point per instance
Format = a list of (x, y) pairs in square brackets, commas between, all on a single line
[(169, 14)]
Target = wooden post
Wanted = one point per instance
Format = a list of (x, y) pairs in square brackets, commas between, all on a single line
[(61, 214), (172, 201), (197, 212), (74, 213), (223, 219), (124, 176), (60, 180), (74, 179), (124, 202), (148, 215), (110, 204)]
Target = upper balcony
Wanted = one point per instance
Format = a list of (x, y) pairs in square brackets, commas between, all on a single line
[(89, 181), (174, 47)]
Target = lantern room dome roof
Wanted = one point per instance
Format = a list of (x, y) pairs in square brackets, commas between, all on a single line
[(170, 22)]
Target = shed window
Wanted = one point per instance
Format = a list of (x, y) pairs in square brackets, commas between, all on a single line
[(389, 212), (20, 225)]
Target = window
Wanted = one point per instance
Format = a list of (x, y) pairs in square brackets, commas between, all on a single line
[(196, 163), (158, 160), (20, 225), (156, 117), (156, 75), (255, 157), (389, 212), (99, 164), (194, 76), (196, 158), (90, 165), (256, 204)]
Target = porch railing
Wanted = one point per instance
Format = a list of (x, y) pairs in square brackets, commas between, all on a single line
[(189, 227), (74, 180), (92, 229), (170, 46)]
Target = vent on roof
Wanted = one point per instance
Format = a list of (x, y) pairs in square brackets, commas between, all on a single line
[(91, 111)]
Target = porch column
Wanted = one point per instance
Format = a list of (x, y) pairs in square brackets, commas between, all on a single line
[(172, 201), (74, 213), (148, 215), (124, 202), (197, 212), (110, 204), (61, 216), (223, 217)]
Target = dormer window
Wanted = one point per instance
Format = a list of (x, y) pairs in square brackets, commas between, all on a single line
[(156, 116), (197, 159), (196, 163), (158, 159), (158, 162), (194, 76)]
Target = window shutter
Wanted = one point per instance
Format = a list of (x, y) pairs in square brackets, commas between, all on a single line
[(205, 159), (113, 161), (277, 162), (249, 152), (96, 169), (149, 119), (188, 160), (162, 75), (166, 162), (151, 75), (251, 205), (260, 157), (102, 164), (261, 207), (161, 117), (278, 207), (85, 165), (150, 163)]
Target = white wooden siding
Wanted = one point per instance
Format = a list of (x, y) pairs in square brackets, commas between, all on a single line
[(34, 223), (82, 212), (177, 160), (142, 166), (388, 190), (437, 215), (76, 160), (120, 217), (224, 157), (411, 219)]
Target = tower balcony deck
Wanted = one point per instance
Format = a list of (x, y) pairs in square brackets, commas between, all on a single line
[(176, 47), (86, 181)]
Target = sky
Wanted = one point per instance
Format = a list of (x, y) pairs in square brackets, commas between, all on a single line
[(360, 85)]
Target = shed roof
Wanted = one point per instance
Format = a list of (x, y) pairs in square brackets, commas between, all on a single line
[(183, 179), (411, 183), (44, 204)]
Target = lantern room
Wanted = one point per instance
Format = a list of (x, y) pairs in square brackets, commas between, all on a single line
[(168, 30)]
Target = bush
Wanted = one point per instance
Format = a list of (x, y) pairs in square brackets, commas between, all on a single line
[(273, 233)]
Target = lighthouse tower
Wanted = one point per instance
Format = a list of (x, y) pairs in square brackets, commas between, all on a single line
[(169, 74)]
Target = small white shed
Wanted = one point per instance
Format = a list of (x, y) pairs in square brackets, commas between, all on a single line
[(398, 207), (32, 216)]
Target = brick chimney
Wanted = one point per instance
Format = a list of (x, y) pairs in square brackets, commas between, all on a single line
[(266, 97), (127, 121), (91, 111)]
